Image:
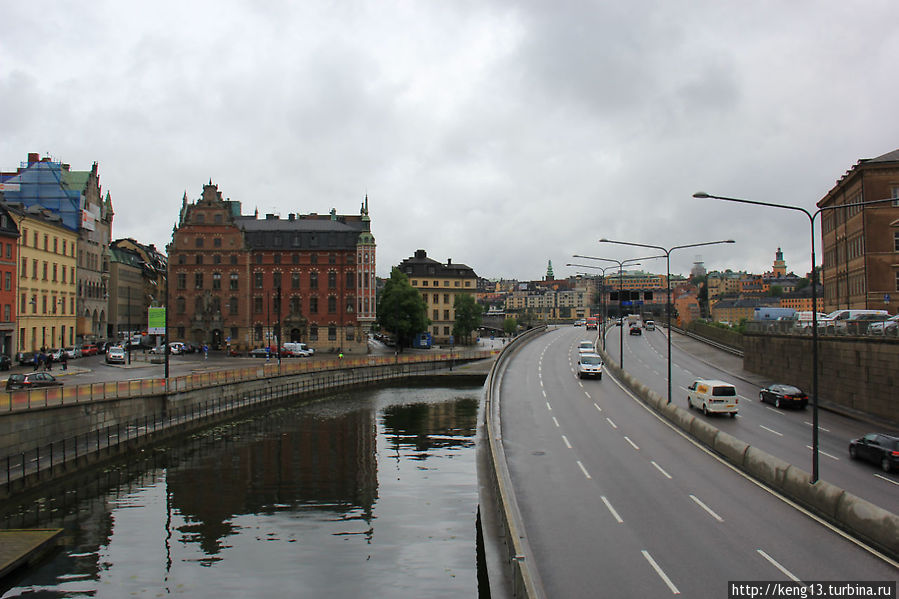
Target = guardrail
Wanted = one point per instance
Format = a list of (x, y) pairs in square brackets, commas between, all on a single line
[(518, 559), (840, 328), (50, 397)]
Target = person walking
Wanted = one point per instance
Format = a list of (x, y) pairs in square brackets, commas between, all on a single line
[(205, 352), (64, 359), (50, 360)]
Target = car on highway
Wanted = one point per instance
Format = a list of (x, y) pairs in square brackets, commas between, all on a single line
[(31, 380), (580, 323), (879, 448), (650, 325), (890, 326), (783, 395), (635, 330), (586, 347), (713, 397), (115, 355), (589, 365)]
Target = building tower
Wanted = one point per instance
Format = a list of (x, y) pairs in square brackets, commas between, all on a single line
[(549, 271), (780, 267)]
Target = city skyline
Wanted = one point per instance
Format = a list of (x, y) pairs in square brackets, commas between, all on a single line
[(494, 134)]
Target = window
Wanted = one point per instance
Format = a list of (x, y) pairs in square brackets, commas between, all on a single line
[(233, 259), (7, 312), (217, 242), (257, 332), (446, 330), (56, 245), (198, 280), (332, 332), (180, 305), (46, 242), (182, 259), (182, 280), (217, 219), (313, 280), (295, 280), (199, 242), (216, 280), (24, 269), (446, 315), (350, 279), (435, 299), (455, 283), (217, 259), (295, 259), (276, 280), (198, 305), (234, 280), (64, 247), (257, 280), (313, 305), (313, 258), (232, 307), (258, 258), (199, 258), (34, 269), (7, 281), (277, 258), (180, 332), (436, 314), (54, 272), (45, 271), (446, 298), (349, 334), (313, 332), (294, 305), (424, 283), (257, 305), (332, 279), (201, 218), (894, 193), (332, 259), (896, 241), (332, 304)]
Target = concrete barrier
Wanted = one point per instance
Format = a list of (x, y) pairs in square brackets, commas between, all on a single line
[(870, 522), (704, 432), (730, 447)]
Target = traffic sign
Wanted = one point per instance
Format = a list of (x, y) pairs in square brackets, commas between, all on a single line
[(886, 298)]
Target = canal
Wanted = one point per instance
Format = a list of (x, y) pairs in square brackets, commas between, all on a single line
[(366, 493)]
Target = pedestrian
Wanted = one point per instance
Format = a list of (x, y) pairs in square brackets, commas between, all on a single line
[(50, 361), (36, 360), (64, 358), (205, 352)]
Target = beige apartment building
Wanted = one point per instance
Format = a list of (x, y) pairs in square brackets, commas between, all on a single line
[(47, 279), (861, 243), (439, 284)]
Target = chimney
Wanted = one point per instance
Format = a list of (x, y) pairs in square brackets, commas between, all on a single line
[(449, 261), (33, 157), (291, 217)]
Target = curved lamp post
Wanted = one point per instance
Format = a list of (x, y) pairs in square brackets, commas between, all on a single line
[(620, 263), (811, 219), (667, 283), (602, 302)]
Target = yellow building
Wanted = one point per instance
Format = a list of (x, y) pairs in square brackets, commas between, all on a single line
[(439, 284), (47, 279)]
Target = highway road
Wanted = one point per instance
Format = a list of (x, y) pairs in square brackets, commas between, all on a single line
[(784, 433), (616, 502)]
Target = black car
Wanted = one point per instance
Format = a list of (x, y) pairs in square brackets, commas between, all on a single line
[(30, 380), (784, 395), (635, 330), (5, 362), (879, 448), (25, 358)]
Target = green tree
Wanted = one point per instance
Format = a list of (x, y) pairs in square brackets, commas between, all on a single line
[(468, 316), (510, 325), (402, 310), (776, 291)]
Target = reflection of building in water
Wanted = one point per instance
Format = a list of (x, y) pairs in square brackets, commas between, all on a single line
[(291, 458), (431, 425)]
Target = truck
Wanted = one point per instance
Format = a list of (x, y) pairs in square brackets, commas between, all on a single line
[(422, 341), (633, 319), (768, 313), (591, 322)]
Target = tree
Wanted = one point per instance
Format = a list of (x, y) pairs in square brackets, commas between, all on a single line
[(468, 316), (402, 310), (510, 325)]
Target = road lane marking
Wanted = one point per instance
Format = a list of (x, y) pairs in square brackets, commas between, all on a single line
[(611, 509), (544, 392), (820, 428), (584, 470), (659, 468), (557, 422), (564, 438), (580, 383), (660, 572), (889, 480), (634, 445), (775, 411), (774, 563), (771, 430), (612, 423), (595, 405), (588, 395), (549, 407), (823, 453), (706, 508)]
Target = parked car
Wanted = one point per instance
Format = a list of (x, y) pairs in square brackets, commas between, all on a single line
[(176, 347), (5, 362), (635, 330), (784, 395), (879, 448), (589, 365), (73, 352), (31, 380), (713, 397), (260, 352), (89, 349), (115, 355), (295, 350), (25, 358), (890, 326)]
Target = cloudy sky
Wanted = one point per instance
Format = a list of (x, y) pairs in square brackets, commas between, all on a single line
[(500, 134)]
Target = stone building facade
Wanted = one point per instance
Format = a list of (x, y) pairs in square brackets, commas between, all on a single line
[(241, 282)]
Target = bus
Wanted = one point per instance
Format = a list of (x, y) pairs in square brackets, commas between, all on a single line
[(591, 322)]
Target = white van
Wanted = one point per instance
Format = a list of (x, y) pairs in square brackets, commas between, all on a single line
[(713, 397), (300, 350), (589, 365), (838, 318)]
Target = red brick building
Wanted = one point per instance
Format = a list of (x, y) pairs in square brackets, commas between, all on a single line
[(246, 282), (9, 235)]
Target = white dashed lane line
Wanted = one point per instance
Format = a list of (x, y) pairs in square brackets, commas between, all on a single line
[(833, 457), (595, 405), (556, 422), (634, 445), (660, 469), (584, 470), (706, 508), (611, 509), (612, 423), (774, 563), (820, 428), (771, 430), (567, 443), (660, 572)]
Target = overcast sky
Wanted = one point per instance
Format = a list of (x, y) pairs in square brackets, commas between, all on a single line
[(499, 134)]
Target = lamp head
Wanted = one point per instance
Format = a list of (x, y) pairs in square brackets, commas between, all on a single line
[(701, 194)]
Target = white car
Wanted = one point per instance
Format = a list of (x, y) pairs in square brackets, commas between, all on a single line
[(589, 365), (586, 347), (890, 326), (115, 354)]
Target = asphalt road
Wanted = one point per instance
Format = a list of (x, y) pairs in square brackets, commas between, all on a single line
[(616, 502), (784, 433)]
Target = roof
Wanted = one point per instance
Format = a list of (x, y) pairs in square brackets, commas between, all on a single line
[(888, 157), (420, 265)]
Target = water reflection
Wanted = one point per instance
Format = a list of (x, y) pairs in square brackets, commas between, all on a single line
[(371, 493)]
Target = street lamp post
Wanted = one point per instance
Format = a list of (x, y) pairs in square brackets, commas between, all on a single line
[(667, 283), (811, 219), (620, 263), (602, 300)]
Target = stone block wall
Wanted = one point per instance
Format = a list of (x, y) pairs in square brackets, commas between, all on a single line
[(861, 374)]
